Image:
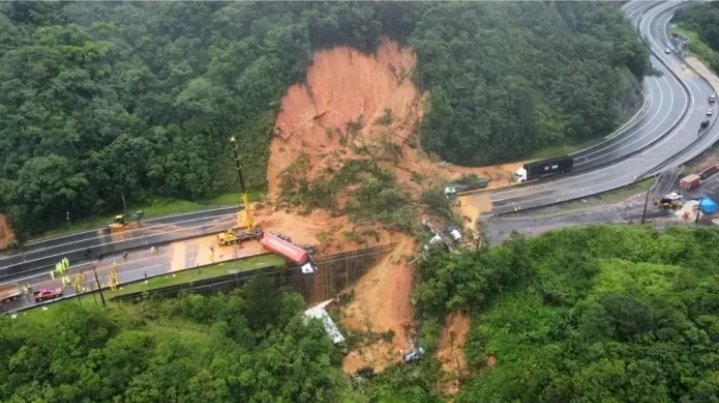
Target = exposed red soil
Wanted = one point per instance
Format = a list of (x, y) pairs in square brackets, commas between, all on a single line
[(338, 114), (7, 237), (450, 351), (381, 303), (343, 86)]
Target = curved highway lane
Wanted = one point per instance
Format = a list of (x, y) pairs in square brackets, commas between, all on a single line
[(675, 131)]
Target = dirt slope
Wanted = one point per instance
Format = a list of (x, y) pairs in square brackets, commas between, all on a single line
[(353, 100), (6, 234), (381, 303), (450, 351), (359, 106)]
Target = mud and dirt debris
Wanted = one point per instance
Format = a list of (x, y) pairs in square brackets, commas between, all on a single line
[(381, 304), (7, 237), (450, 351)]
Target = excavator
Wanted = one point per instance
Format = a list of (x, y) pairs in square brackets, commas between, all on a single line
[(250, 231), (671, 201), (124, 221)]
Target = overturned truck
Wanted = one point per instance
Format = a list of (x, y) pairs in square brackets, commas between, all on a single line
[(290, 251)]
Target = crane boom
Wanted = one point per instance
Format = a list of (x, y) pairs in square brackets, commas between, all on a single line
[(245, 197)]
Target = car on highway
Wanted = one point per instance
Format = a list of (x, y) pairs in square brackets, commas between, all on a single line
[(712, 98), (667, 50), (45, 294), (710, 112)]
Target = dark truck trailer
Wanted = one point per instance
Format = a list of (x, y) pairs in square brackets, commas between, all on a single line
[(545, 168)]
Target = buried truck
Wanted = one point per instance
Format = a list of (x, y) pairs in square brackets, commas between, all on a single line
[(290, 251), (466, 183), (544, 169)]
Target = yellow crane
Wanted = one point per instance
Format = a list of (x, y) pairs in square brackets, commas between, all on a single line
[(237, 235)]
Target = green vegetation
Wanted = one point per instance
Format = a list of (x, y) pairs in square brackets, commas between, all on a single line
[(192, 275), (556, 150), (602, 313), (697, 47), (512, 78), (700, 24), (252, 345), (372, 192), (140, 98)]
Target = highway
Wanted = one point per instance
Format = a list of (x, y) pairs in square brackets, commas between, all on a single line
[(675, 104), (42, 255), (666, 136)]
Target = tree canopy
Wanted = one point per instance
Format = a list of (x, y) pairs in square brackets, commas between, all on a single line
[(704, 20), (140, 98), (595, 314)]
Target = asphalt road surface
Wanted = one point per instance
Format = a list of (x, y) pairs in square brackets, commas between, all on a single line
[(666, 126), (677, 104), (140, 263), (534, 222), (42, 255)]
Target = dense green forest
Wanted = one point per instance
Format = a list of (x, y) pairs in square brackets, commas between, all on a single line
[(704, 20), (139, 98), (623, 314), (604, 313), (252, 345)]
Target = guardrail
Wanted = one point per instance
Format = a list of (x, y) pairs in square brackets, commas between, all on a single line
[(293, 273)]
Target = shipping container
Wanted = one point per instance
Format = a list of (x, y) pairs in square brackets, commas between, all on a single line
[(549, 167), (284, 248), (690, 182)]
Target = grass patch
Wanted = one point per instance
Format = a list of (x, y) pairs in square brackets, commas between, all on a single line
[(203, 273), (559, 150), (166, 280), (158, 208), (698, 48)]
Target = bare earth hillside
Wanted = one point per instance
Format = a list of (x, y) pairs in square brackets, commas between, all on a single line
[(357, 106)]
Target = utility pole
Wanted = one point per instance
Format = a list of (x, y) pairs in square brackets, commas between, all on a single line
[(124, 205), (646, 202), (99, 287)]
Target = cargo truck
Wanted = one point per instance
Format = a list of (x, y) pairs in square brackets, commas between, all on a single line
[(544, 168), (291, 251), (9, 292)]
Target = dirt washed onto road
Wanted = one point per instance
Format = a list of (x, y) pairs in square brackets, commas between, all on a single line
[(354, 105)]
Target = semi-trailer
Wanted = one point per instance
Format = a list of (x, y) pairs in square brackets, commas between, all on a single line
[(544, 168), (9, 292), (289, 250)]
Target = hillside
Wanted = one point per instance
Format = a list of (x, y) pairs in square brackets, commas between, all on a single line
[(138, 99), (703, 19), (608, 313), (604, 313)]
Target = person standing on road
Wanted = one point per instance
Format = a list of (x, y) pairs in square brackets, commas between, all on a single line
[(124, 256), (153, 251)]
